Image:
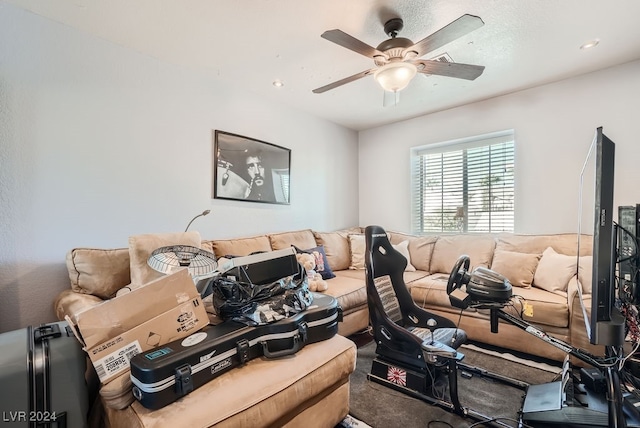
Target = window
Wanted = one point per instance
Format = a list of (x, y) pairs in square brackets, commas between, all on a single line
[(464, 186)]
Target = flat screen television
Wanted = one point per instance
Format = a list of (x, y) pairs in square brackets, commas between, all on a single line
[(607, 323)]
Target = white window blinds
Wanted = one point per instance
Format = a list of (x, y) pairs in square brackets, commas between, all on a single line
[(465, 186)]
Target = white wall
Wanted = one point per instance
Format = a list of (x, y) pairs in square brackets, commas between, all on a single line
[(554, 126), (99, 143)]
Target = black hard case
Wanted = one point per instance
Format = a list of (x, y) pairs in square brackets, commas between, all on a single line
[(42, 373), (164, 374)]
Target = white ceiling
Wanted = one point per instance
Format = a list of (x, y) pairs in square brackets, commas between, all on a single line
[(250, 43)]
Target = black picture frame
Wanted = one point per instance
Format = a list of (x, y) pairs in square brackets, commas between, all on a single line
[(246, 169)]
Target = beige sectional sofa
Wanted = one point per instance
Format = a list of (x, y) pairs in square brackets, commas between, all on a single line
[(542, 269)]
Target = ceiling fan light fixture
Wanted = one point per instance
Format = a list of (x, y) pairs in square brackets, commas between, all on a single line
[(395, 76)]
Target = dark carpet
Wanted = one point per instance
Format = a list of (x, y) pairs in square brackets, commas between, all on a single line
[(379, 406)]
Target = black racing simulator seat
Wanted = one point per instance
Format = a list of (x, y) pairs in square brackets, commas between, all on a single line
[(415, 348)]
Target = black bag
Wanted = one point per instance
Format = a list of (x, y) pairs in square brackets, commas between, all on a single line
[(257, 304)]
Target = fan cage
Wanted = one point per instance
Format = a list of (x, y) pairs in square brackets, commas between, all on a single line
[(199, 262)]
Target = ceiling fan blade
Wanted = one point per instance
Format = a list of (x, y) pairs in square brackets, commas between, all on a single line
[(343, 39), (458, 28), (343, 81), (449, 69)]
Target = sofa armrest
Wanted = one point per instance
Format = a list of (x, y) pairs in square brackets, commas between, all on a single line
[(71, 303)]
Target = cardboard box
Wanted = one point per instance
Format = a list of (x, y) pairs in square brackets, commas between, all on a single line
[(159, 312)]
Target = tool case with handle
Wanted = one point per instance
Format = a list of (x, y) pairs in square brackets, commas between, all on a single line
[(42, 371), (164, 374)]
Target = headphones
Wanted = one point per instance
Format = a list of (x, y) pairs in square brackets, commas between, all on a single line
[(484, 287)]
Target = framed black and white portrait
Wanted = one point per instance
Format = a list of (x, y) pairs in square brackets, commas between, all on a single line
[(246, 169)]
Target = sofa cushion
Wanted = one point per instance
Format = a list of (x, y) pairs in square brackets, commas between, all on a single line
[(98, 272), (348, 287), (299, 238), (448, 249), (241, 246), (71, 303), (431, 292), (207, 246), (336, 247), (564, 243), (421, 250), (541, 307), (322, 264), (517, 267), (141, 247), (263, 392), (554, 271)]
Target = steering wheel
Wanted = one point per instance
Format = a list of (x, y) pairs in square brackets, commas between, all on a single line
[(459, 273)]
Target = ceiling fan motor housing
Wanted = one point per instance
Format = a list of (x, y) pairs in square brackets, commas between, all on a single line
[(393, 26)]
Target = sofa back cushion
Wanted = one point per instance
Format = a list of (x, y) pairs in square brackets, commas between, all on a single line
[(564, 243), (448, 248), (303, 239), (519, 268), (240, 247), (97, 271)]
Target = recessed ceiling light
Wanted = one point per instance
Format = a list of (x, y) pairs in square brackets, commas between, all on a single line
[(278, 83), (590, 44)]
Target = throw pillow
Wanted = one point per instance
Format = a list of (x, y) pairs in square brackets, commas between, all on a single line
[(357, 246), (141, 247), (519, 268), (322, 264), (554, 271), (403, 248), (356, 249), (585, 272)]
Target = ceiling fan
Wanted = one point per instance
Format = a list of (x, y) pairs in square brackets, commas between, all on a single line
[(397, 58)]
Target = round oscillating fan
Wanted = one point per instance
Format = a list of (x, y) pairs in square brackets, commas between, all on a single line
[(200, 263)]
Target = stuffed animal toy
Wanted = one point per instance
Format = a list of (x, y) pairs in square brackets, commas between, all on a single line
[(308, 262)]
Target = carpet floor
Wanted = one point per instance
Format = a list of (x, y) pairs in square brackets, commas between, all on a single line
[(379, 406)]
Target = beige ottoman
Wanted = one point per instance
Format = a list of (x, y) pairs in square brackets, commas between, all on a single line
[(310, 389)]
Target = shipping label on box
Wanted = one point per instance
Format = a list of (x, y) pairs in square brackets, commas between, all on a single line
[(157, 313)]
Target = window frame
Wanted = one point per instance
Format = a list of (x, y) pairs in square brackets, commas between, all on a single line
[(505, 159)]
